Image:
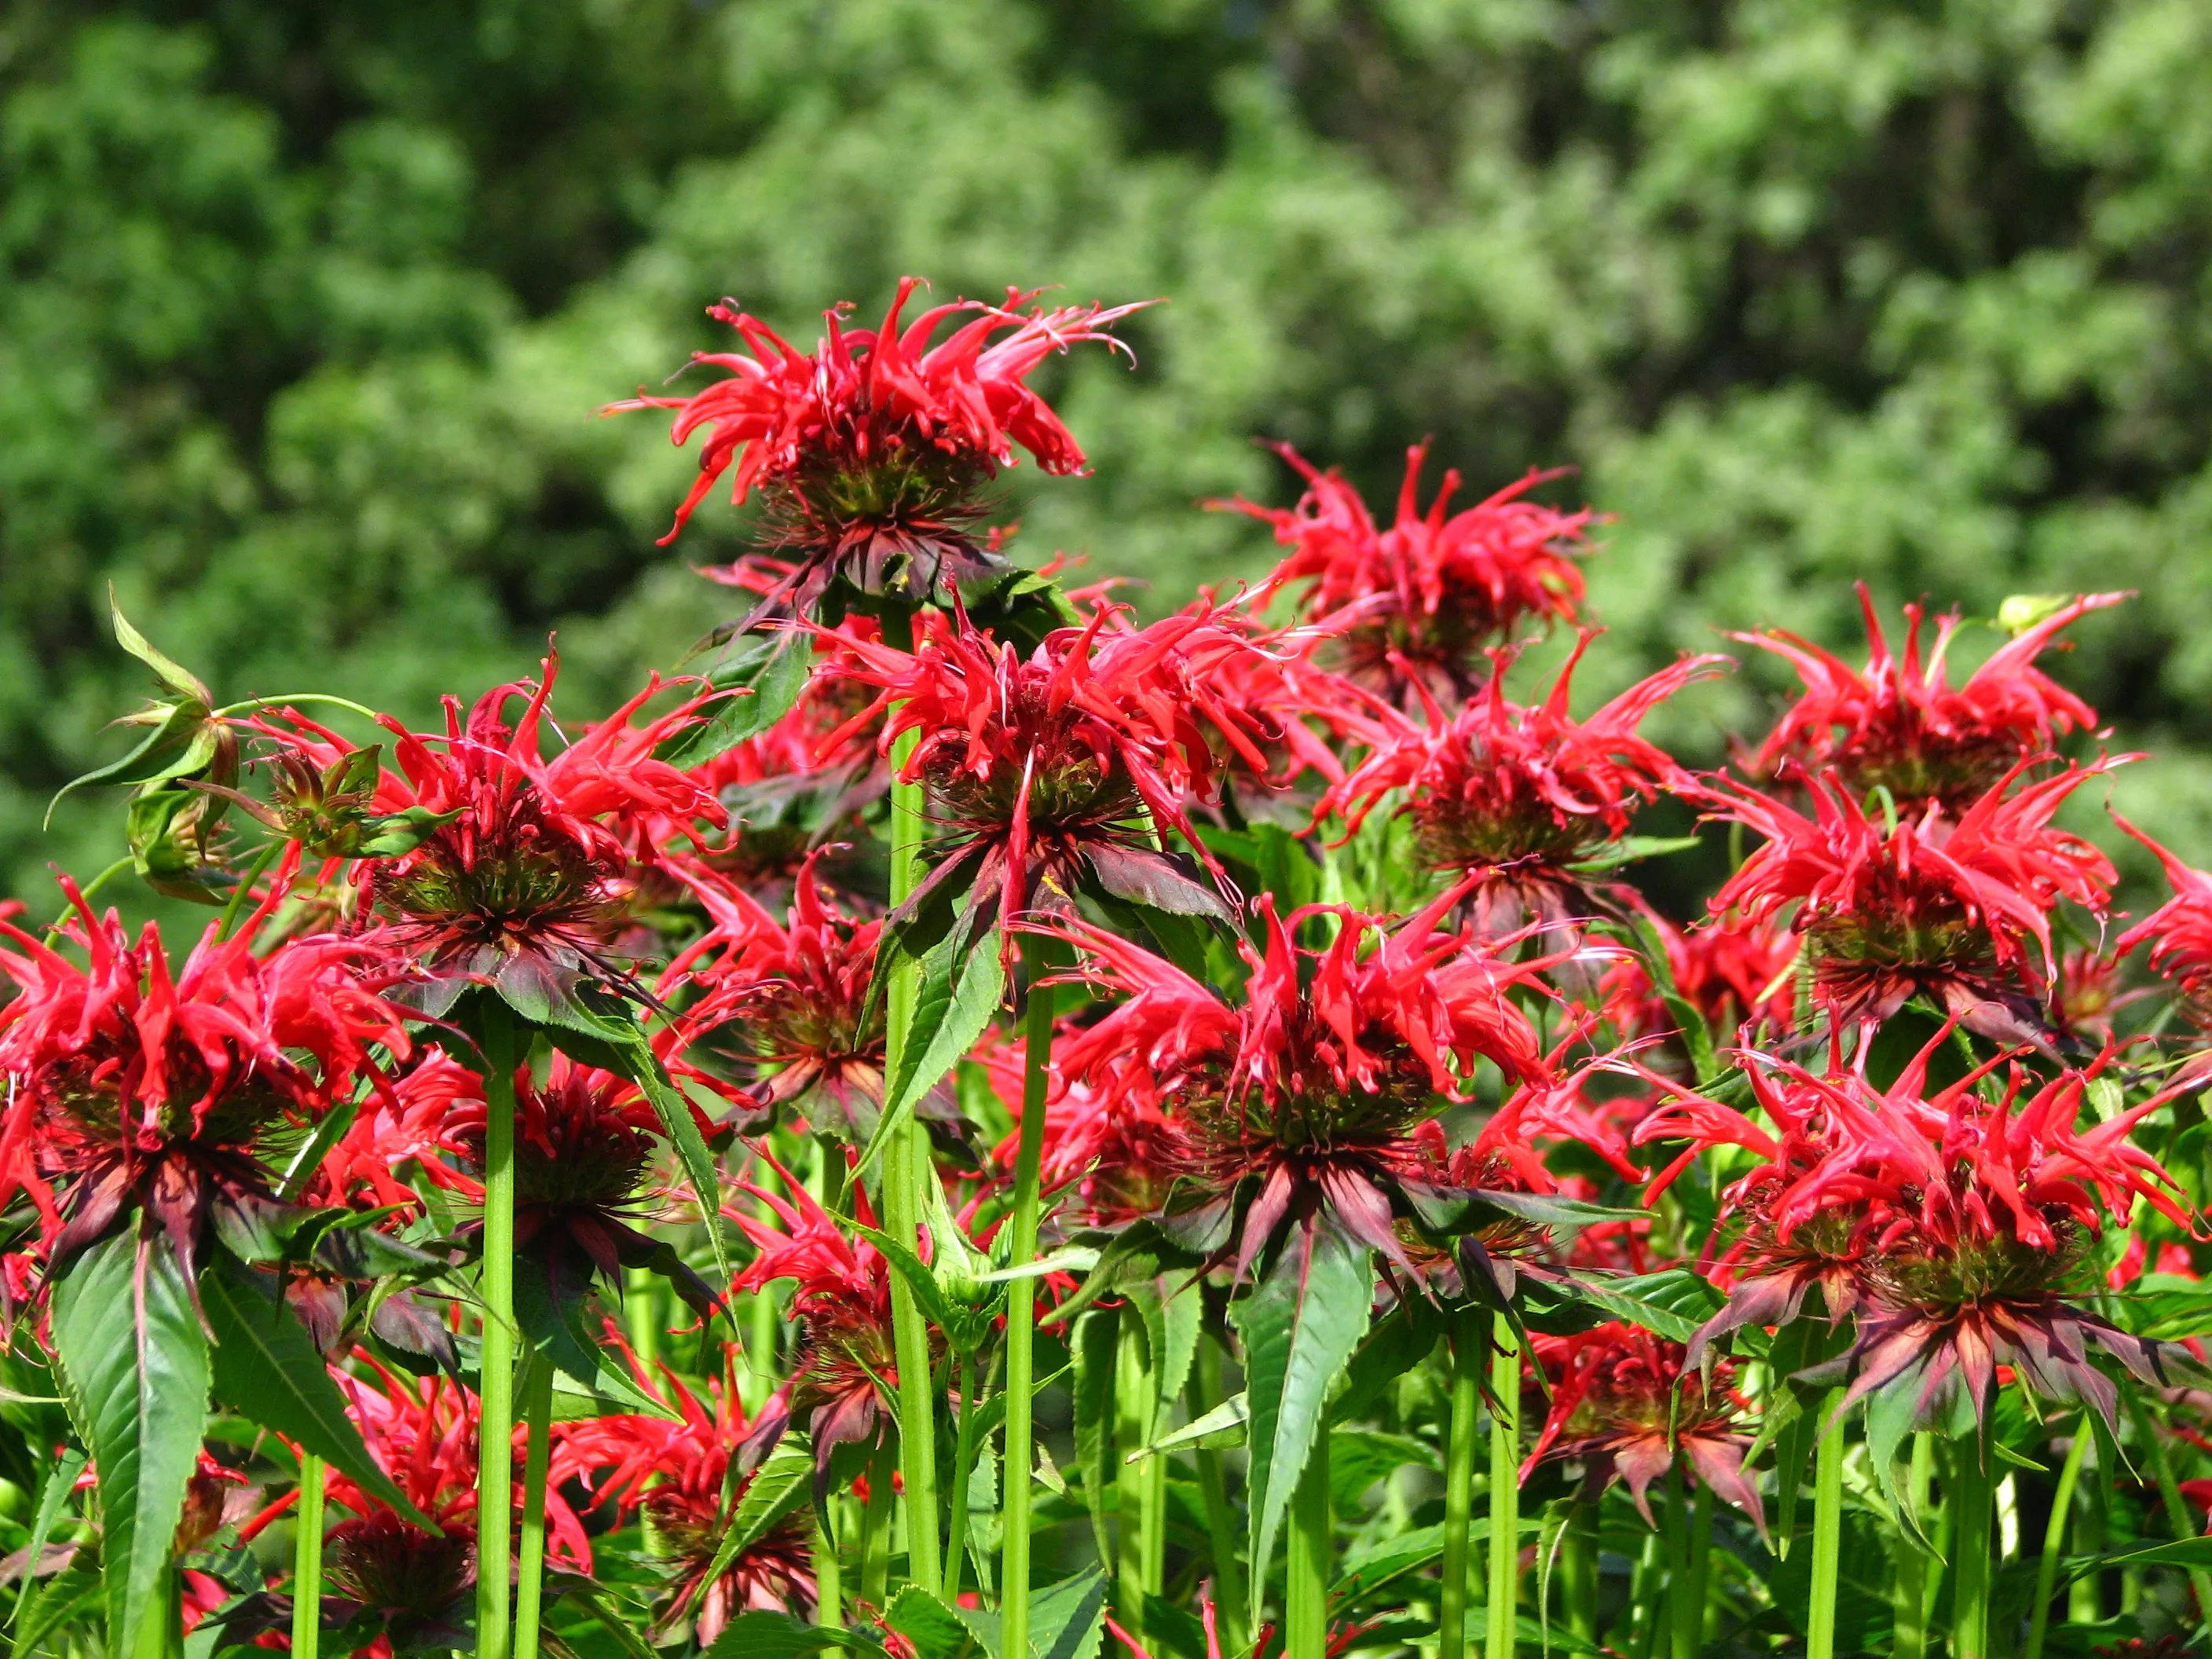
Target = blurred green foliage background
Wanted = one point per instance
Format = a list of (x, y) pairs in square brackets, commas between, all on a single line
[(305, 308)]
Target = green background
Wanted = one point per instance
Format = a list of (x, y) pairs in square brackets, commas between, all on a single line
[(306, 309)]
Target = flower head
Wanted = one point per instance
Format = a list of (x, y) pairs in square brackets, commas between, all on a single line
[(678, 1470), (1947, 906), (2179, 931), (1626, 1405), (1899, 724), (870, 451), (132, 1084), (1426, 595), (1516, 796)]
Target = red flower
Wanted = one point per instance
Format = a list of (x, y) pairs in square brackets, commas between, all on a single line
[(1052, 775), (1626, 1404), (423, 1435), (1898, 724), (527, 860), (2179, 931), (130, 1085), (677, 1473), (1517, 796), (1926, 903), (871, 450), (794, 996), (1428, 593), (1731, 971), (1309, 1090)]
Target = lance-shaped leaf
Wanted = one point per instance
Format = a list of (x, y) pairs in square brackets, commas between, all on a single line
[(1673, 1303), (555, 1324), (935, 1631), (758, 681), (1091, 1345), (777, 1487), (267, 1368), (132, 1361), (61, 1479), (762, 1635), (1300, 1326), (952, 1009)]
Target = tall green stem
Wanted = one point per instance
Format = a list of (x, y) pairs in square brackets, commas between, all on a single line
[(1682, 1638), (1220, 1519), (2178, 1515), (1306, 1560), (2054, 1538), (1466, 1343), (963, 1469), (308, 1561), (641, 1313), (829, 1570), (1021, 1310), (1701, 1561), (1142, 1494), (1910, 1608), (1970, 1578), (876, 1533), (1827, 1528), (495, 1429), (1503, 1617), (907, 1165), (530, 1557), (1578, 1570)]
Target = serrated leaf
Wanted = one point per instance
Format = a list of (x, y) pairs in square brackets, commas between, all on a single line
[(935, 1631), (53, 1497), (267, 1368), (1300, 1326), (952, 1009), (777, 1487), (1091, 1347), (555, 1329), (760, 680), (1672, 1303), (1067, 1620), (133, 1364), (762, 1635)]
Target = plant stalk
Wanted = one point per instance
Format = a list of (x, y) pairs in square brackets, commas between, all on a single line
[(1502, 1618), (1681, 1627), (964, 1470), (907, 1165), (2054, 1538), (1465, 1343), (1578, 1570), (2177, 1513), (308, 1561), (641, 1313), (1910, 1608), (1970, 1580), (495, 1429), (1141, 1496), (876, 1532), (529, 1560), (1220, 1519), (1701, 1561), (1021, 1310), (1827, 1528), (1306, 1560), (828, 1571)]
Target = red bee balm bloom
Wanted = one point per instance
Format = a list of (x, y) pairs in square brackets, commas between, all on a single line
[(1626, 1404), (870, 451), (1428, 593), (1897, 723), (128, 1085), (1311, 1089), (2179, 931), (1516, 796), (1054, 773), (677, 1472), (1927, 903)]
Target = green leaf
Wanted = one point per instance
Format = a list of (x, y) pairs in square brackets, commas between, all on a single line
[(556, 1328), (132, 1363), (267, 1368), (777, 1487), (182, 742), (173, 675), (401, 833), (61, 1479), (1299, 1326), (1629, 849), (1091, 1345), (761, 678), (780, 1636), (1704, 1063), (1067, 1620), (2182, 1553), (919, 1279), (1221, 1426), (952, 1009), (1673, 1303), (72, 1595), (935, 1631), (1407, 1553)]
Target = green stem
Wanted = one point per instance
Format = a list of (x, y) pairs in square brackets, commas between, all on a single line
[(1911, 1603), (758, 1372), (641, 1313), (242, 894), (1136, 1397), (964, 1470), (2085, 1598), (828, 1575), (1021, 1310), (1578, 1570), (1970, 1591), (1643, 1600), (1701, 1563), (876, 1532), (2177, 1513), (907, 1165), (495, 1430), (1469, 1330), (2054, 1538), (1502, 1617), (1827, 1528), (308, 1561), (324, 698), (530, 1563), (1306, 1560), (1682, 1638), (1220, 1519)]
